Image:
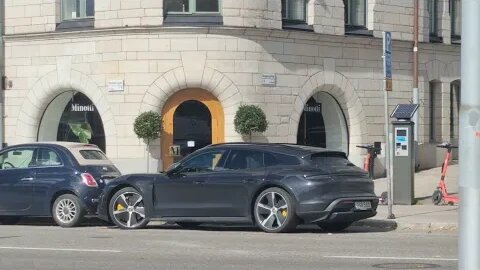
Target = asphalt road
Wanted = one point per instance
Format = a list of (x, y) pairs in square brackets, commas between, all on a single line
[(169, 247)]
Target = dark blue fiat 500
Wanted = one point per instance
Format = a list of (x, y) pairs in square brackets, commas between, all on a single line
[(59, 179)]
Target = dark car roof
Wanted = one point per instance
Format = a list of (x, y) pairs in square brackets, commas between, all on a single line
[(282, 148)]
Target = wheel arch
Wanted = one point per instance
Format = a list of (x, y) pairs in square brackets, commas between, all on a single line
[(59, 193), (262, 189), (146, 192)]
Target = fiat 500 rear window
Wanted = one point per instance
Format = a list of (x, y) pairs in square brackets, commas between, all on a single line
[(92, 155)]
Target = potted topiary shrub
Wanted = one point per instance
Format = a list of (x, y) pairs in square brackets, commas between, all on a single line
[(250, 119), (148, 127)]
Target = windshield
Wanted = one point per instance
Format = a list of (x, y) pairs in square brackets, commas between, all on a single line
[(92, 155)]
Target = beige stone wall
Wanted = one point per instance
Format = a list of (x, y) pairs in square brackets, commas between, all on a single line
[(397, 17), (252, 13), (329, 17), (229, 62), (31, 16), (129, 13)]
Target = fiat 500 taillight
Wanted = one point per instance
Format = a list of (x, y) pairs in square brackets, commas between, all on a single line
[(89, 180)]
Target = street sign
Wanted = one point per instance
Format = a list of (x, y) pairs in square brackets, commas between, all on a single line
[(387, 60), (174, 151), (388, 85)]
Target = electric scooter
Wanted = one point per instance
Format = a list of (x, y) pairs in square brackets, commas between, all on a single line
[(441, 193), (373, 150)]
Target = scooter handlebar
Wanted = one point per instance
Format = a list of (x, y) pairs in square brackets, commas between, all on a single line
[(446, 146)]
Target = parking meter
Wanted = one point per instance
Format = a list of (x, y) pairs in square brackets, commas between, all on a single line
[(403, 151)]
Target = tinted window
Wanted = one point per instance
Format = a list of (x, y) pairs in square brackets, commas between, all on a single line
[(17, 158), (93, 155), (47, 157), (204, 162), (243, 159), (275, 159), (332, 162)]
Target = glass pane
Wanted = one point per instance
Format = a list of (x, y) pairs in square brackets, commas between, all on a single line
[(457, 18), (274, 159), (432, 10), (242, 160), (296, 10), (20, 158), (357, 10), (203, 163), (81, 122), (47, 157), (207, 6), (90, 8), (284, 9), (69, 9), (93, 155), (177, 5)]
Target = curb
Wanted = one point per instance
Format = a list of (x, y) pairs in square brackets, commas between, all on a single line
[(407, 226)]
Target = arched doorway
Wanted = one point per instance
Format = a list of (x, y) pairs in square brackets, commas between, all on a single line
[(323, 124), (192, 119), (72, 116)]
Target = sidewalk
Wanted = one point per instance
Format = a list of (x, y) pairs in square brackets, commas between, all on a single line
[(424, 216)]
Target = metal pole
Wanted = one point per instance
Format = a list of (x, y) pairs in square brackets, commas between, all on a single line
[(2, 73), (387, 160), (469, 184), (416, 99)]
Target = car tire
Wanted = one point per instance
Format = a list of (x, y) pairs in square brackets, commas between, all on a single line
[(189, 225), (127, 209), (9, 220), (274, 211), (437, 197), (68, 211), (334, 227)]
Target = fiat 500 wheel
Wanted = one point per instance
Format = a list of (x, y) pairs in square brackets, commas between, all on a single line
[(274, 211), (67, 211), (127, 209)]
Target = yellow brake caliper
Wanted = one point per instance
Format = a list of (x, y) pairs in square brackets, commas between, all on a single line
[(119, 207), (284, 213)]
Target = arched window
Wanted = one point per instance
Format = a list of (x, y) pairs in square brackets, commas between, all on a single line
[(77, 9)]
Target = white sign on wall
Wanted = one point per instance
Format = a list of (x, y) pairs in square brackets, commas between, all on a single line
[(115, 86), (269, 79)]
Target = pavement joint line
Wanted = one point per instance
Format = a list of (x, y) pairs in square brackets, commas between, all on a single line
[(390, 258), (63, 249)]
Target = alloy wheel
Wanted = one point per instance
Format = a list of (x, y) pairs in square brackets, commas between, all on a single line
[(66, 210), (272, 210), (129, 210)]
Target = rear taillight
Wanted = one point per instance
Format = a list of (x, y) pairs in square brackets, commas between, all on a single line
[(88, 180)]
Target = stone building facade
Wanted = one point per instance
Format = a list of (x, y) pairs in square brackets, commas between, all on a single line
[(132, 56)]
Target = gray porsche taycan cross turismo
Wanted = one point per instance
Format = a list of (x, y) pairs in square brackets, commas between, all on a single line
[(275, 186)]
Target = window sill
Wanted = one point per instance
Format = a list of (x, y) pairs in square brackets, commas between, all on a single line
[(456, 40), (436, 39), (78, 24), (297, 25), (196, 19), (358, 31)]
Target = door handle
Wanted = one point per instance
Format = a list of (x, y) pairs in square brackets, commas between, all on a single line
[(198, 181), (27, 179), (248, 181)]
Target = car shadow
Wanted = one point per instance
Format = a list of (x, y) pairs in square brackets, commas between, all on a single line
[(48, 221), (301, 229)]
